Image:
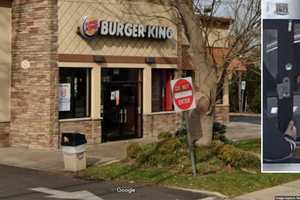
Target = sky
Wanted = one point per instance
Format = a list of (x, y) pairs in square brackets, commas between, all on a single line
[(225, 7)]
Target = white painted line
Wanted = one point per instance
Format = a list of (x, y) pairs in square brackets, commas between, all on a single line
[(183, 94), (57, 194), (208, 198)]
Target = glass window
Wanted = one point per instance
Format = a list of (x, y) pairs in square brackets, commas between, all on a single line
[(161, 90), (119, 75), (74, 94)]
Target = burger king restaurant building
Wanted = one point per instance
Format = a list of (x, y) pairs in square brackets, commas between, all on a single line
[(101, 68)]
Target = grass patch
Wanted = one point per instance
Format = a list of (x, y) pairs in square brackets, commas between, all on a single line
[(231, 184), (252, 145)]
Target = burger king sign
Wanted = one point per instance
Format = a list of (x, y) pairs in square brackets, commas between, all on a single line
[(91, 28)]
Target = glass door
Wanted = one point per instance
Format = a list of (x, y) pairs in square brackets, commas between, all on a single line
[(121, 100)]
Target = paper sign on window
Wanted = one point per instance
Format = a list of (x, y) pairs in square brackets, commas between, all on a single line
[(65, 97)]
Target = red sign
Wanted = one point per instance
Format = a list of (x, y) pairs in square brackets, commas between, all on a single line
[(183, 94)]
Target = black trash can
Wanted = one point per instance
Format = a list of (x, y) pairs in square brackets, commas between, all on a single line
[(74, 151)]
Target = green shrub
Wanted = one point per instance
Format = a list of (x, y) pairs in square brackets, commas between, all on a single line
[(219, 131), (133, 150), (219, 128), (164, 135), (237, 157), (172, 153), (230, 155), (250, 161), (181, 132), (168, 152), (203, 154), (169, 146), (213, 165), (145, 158)]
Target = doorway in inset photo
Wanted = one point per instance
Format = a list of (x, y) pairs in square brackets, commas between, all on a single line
[(281, 86)]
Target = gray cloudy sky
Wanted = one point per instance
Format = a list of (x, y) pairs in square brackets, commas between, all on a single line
[(225, 8)]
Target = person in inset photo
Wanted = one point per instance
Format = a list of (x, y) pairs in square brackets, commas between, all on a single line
[(278, 146)]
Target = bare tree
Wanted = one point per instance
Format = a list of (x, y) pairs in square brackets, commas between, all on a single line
[(199, 19)]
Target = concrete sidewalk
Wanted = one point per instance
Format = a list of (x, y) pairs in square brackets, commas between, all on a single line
[(52, 160), (288, 189), (47, 160), (242, 130)]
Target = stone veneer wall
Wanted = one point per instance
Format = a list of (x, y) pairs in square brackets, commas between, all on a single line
[(34, 114), (222, 113), (4, 134), (153, 124), (90, 128)]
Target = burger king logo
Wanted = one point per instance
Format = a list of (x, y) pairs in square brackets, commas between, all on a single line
[(89, 27)]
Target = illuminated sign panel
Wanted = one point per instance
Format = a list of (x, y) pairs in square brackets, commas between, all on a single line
[(92, 28)]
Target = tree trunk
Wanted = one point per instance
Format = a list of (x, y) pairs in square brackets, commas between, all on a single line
[(201, 118)]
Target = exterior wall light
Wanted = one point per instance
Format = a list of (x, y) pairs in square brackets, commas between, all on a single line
[(99, 59), (150, 60)]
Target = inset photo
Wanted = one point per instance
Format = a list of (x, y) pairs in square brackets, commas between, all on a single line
[(281, 86)]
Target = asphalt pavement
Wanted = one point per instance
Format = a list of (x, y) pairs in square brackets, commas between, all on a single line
[(25, 184)]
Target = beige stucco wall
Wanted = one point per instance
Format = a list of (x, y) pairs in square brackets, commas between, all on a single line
[(71, 12), (218, 37), (5, 63)]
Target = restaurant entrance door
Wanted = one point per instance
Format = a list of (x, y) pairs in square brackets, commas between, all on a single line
[(121, 104)]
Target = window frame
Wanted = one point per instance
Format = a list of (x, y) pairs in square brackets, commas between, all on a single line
[(66, 115), (161, 110)]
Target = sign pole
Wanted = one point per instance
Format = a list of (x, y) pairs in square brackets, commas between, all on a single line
[(190, 144), (184, 100)]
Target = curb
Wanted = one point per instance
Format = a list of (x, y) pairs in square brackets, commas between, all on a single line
[(107, 162), (245, 114)]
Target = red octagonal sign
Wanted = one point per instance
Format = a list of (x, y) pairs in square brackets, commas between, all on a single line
[(183, 94)]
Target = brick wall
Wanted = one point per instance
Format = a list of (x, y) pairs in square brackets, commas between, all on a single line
[(4, 134), (222, 113), (161, 122), (90, 128), (34, 112)]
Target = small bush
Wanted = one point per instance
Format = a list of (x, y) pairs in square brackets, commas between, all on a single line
[(168, 152), (181, 132), (164, 135), (230, 155), (203, 154), (133, 150), (237, 157), (219, 128), (169, 146), (250, 161), (214, 165), (145, 158), (219, 131)]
